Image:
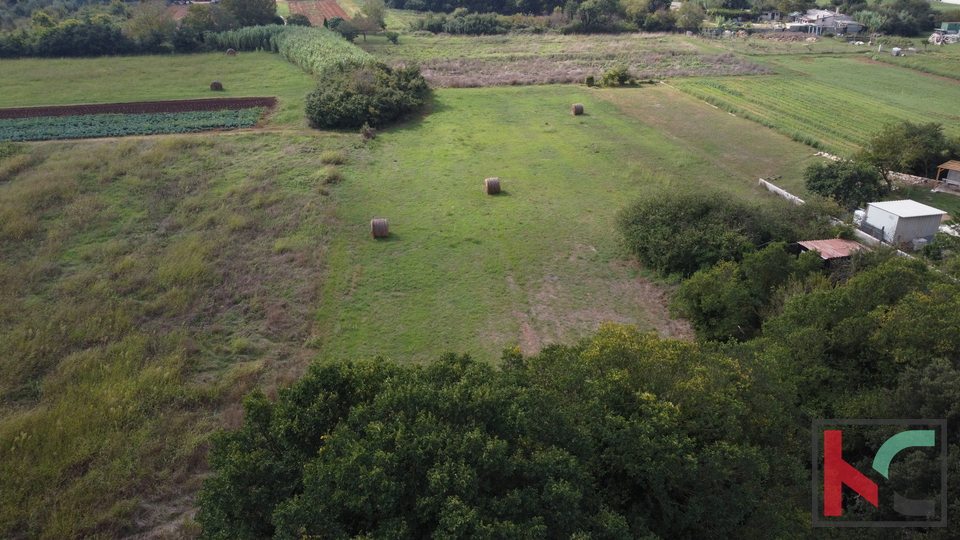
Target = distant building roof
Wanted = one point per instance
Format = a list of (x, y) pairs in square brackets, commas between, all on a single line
[(951, 165), (834, 248), (906, 209)]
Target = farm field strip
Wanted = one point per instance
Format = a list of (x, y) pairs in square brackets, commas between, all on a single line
[(45, 128), (459, 61), (317, 11), (794, 107), (903, 90), (45, 82), (141, 107), (934, 64), (836, 114)]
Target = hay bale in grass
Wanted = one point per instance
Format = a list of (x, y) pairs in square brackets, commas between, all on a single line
[(216, 86), (492, 186), (577, 109), (231, 52), (379, 228)]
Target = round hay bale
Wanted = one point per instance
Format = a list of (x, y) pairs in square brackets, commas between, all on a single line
[(216, 86), (379, 228), (577, 109), (231, 52), (492, 185)]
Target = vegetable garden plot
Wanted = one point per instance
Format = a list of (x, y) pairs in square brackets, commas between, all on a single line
[(118, 125), (317, 11), (141, 107)]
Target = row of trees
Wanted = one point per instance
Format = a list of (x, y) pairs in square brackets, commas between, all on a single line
[(575, 17), (145, 28)]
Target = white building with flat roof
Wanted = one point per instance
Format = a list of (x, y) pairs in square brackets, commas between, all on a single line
[(902, 221)]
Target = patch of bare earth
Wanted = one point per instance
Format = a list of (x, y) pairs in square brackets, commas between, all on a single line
[(561, 311)]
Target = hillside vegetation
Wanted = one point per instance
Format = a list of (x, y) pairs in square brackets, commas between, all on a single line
[(148, 284), (145, 285)]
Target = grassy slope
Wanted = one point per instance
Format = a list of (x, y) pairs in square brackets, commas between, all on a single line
[(145, 284), (468, 272), (31, 82)]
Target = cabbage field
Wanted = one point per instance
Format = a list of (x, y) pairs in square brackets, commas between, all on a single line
[(117, 125)]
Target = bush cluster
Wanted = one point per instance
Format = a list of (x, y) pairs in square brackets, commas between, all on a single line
[(681, 232), (374, 95)]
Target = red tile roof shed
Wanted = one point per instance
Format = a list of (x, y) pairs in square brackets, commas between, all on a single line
[(834, 248)]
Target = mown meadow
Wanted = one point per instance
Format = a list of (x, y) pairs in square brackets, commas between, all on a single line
[(31, 82), (148, 283)]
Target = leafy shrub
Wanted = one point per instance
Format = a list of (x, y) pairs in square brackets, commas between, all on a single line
[(375, 95), (681, 232), (617, 76), (332, 157), (731, 300), (298, 19), (344, 28), (331, 175), (392, 37), (589, 80), (850, 183), (368, 132)]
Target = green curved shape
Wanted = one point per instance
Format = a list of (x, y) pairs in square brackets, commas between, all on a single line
[(905, 439)]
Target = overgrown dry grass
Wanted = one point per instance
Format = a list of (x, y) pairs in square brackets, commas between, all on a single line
[(572, 68), (461, 61), (141, 296)]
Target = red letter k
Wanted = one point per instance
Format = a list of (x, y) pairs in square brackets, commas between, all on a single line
[(837, 472)]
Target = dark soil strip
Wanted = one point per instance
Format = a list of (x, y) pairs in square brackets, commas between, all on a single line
[(142, 107)]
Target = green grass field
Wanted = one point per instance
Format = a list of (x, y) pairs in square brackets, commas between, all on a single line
[(30, 82), (464, 271), (938, 61), (836, 102)]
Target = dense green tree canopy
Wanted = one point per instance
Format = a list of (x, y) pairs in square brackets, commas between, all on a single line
[(851, 183), (623, 436), (909, 148), (682, 231), (374, 95)]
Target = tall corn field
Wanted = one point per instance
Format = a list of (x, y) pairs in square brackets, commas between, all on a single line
[(316, 50), (321, 51), (250, 38)]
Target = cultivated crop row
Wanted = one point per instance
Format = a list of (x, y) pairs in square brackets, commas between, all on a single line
[(117, 125), (318, 11), (798, 108), (315, 50)]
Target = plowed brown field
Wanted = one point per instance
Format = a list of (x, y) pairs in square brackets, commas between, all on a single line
[(317, 11)]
